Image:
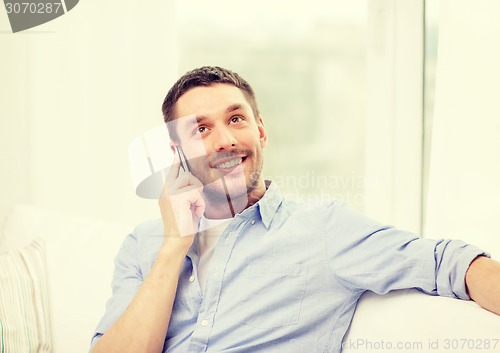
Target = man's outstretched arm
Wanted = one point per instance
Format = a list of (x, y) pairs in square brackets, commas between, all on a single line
[(483, 283)]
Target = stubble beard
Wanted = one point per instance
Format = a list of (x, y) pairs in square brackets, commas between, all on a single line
[(231, 187)]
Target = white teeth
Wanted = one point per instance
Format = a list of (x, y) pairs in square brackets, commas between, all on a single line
[(229, 164)]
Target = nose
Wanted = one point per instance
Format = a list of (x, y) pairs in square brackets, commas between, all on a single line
[(223, 139)]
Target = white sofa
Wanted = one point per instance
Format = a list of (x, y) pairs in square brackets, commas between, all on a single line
[(79, 255)]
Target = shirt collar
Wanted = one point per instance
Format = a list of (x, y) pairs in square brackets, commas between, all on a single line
[(269, 203)]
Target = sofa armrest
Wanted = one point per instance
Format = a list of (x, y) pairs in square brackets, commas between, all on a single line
[(409, 320)]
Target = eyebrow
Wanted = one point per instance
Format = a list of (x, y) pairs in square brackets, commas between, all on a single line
[(234, 107)]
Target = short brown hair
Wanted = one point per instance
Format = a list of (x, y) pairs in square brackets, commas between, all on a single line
[(204, 76)]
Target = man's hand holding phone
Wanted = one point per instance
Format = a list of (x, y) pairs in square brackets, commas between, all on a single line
[(181, 203)]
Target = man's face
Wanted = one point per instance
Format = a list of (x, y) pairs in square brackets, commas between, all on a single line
[(222, 140)]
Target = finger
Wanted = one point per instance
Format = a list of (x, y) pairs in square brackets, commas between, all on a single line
[(189, 207), (174, 170), (194, 198), (185, 181), (199, 208)]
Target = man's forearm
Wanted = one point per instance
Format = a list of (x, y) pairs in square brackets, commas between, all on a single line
[(483, 283), (143, 326)]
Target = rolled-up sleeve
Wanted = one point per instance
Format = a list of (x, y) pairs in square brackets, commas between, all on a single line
[(127, 278), (366, 255)]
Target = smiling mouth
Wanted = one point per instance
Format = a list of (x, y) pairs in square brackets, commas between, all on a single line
[(228, 164)]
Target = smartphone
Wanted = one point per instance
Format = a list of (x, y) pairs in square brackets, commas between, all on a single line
[(184, 165)]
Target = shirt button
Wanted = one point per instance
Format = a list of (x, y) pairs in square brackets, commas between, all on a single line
[(253, 221), (191, 279), (204, 322)]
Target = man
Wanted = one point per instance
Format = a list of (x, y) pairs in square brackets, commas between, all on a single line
[(234, 267)]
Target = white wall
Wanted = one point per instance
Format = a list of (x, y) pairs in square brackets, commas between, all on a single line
[(74, 92), (464, 193), (393, 147)]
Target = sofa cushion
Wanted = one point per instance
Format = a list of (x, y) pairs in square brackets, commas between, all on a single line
[(24, 307)]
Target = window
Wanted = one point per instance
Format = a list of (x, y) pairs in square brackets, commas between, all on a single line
[(307, 64)]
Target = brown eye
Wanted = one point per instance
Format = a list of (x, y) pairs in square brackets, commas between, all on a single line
[(200, 130), (236, 119)]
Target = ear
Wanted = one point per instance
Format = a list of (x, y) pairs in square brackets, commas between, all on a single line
[(172, 146), (262, 131)]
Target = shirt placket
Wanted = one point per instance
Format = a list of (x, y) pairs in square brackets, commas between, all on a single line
[(208, 310)]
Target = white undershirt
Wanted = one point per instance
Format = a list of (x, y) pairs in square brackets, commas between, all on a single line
[(211, 230)]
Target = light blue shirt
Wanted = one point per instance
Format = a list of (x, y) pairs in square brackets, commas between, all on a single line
[(286, 277)]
